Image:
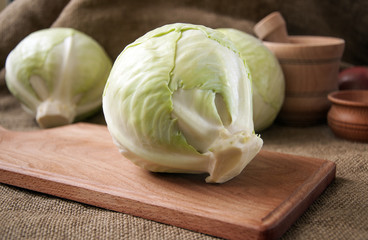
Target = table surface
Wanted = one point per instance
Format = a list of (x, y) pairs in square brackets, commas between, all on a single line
[(339, 213)]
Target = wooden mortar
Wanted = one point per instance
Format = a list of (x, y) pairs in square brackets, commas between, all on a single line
[(310, 65)]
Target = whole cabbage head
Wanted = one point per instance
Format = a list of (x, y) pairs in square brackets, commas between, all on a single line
[(179, 100), (58, 74), (268, 79)]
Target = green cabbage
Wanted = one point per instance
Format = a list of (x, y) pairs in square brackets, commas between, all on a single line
[(268, 79), (179, 99), (58, 74)]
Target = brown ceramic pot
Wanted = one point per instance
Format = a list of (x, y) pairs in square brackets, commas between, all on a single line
[(348, 116)]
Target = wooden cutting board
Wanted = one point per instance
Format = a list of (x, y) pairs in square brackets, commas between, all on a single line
[(81, 163)]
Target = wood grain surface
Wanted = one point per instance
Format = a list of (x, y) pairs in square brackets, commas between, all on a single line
[(81, 163)]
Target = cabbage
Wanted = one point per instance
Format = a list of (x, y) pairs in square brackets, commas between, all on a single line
[(58, 74), (268, 79), (179, 100)]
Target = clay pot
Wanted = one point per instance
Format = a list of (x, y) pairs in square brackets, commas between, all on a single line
[(310, 65), (348, 116)]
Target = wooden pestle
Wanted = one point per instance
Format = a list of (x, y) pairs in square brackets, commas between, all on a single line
[(272, 28)]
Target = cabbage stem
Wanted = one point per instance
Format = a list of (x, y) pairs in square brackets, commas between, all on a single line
[(230, 154), (54, 113)]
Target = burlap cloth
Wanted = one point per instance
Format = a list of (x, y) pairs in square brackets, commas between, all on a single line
[(341, 212)]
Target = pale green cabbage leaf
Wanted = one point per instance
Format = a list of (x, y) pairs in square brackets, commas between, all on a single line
[(179, 99), (268, 79)]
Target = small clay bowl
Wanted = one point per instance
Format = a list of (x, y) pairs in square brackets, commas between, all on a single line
[(348, 115)]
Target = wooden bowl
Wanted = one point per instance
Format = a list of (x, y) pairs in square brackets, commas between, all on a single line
[(310, 65), (348, 116)]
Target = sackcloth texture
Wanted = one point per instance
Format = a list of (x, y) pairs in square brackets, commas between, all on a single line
[(339, 213)]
